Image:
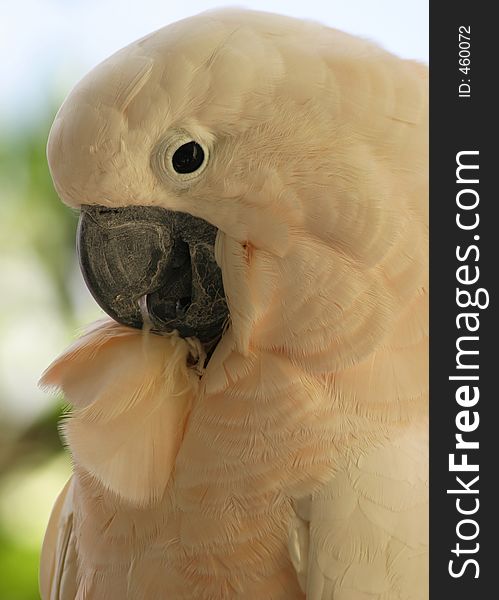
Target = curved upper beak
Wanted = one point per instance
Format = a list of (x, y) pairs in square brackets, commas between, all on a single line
[(143, 262)]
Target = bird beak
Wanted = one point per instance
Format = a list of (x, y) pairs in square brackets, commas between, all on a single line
[(146, 265)]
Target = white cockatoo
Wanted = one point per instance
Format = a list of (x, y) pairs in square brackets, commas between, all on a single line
[(253, 421)]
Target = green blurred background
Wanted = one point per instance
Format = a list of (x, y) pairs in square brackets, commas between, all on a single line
[(42, 306), (45, 47)]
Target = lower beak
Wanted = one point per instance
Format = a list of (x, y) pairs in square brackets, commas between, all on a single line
[(148, 265)]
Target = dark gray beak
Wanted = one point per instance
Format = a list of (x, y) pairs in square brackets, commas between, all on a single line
[(157, 259)]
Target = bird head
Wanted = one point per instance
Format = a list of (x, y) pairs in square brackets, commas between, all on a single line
[(252, 168)]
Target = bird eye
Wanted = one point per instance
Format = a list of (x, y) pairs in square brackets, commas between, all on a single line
[(179, 157), (188, 158)]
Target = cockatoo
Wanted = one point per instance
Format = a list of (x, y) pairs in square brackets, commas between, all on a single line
[(252, 421)]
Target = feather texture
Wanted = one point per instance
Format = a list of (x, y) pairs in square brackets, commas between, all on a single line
[(131, 393), (296, 464)]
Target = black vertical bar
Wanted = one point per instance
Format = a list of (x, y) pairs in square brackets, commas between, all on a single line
[(462, 121)]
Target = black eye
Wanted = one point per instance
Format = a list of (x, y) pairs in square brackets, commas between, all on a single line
[(188, 158)]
